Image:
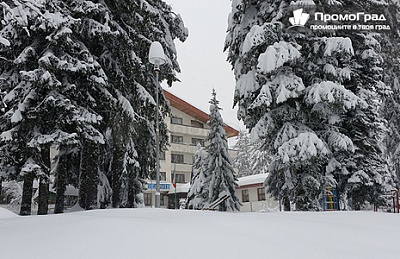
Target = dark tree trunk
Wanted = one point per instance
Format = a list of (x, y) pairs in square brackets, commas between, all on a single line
[(131, 192), (61, 187), (61, 174), (27, 190), (43, 205), (116, 168), (286, 204), (1, 183), (89, 176)]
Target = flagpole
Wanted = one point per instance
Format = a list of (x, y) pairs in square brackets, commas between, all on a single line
[(175, 184)]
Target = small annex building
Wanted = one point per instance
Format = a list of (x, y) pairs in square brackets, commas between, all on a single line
[(251, 193)]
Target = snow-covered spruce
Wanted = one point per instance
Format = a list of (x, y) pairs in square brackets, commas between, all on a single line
[(312, 101), (251, 159), (198, 194), (76, 76), (215, 176)]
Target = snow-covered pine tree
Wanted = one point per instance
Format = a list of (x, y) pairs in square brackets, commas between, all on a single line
[(222, 178), (48, 77), (251, 158), (66, 170), (242, 162), (198, 195), (269, 94), (89, 62), (294, 92), (123, 55), (364, 175), (391, 107), (260, 158)]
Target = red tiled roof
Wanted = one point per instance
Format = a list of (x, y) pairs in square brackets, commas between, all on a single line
[(194, 112)]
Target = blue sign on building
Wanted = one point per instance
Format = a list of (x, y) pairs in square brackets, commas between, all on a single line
[(165, 186)]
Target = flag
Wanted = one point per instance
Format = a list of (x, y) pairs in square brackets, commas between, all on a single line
[(173, 177)]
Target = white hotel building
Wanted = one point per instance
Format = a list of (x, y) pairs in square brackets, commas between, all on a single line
[(187, 127)]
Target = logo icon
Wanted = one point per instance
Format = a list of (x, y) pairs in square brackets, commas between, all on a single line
[(299, 18)]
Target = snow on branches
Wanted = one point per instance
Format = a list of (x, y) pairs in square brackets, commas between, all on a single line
[(304, 148), (331, 92), (277, 55), (337, 44)]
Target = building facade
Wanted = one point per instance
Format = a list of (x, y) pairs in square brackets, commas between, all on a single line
[(187, 128), (251, 193)]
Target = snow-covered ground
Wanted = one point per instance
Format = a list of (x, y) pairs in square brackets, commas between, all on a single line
[(160, 233)]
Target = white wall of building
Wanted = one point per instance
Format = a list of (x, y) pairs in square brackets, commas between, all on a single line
[(251, 184)]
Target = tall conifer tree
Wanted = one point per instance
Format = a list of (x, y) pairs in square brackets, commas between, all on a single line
[(300, 91), (222, 178), (75, 75)]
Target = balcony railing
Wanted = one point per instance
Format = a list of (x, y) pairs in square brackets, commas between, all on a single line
[(188, 130)]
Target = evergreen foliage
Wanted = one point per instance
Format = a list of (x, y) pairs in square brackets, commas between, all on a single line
[(242, 162), (215, 176), (251, 159), (219, 164), (311, 97), (198, 194), (74, 74), (391, 107)]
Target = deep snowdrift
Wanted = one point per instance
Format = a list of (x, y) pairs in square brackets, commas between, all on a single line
[(160, 233)]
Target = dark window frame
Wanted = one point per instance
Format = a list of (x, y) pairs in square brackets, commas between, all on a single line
[(245, 195), (261, 194), (176, 139), (179, 178), (176, 120), (162, 156), (195, 141), (177, 158), (197, 124)]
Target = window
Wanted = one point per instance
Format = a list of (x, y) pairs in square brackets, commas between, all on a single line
[(261, 194), (176, 120), (196, 124), (147, 199), (196, 141), (176, 139), (177, 158), (245, 196), (162, 198), (179, 178), (163, 176), (162, 155)]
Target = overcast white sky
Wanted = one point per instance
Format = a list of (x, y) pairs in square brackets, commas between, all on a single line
[(201, 56)]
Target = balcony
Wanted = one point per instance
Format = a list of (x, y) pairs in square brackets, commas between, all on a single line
[(188, 131), (183, 148), (181, 168)]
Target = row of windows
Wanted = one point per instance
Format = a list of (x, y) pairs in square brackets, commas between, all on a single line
[(193, 123), (176, 158), (260, 195), (179, 178), (179, 139)]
